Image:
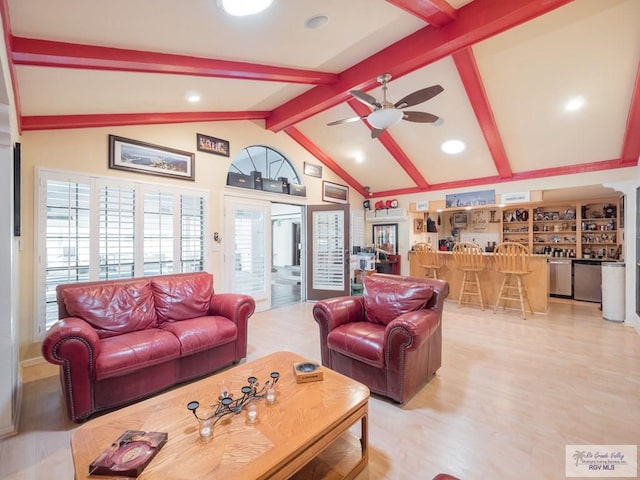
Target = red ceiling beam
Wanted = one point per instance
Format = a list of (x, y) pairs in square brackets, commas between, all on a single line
[(392, 147), (470, 75), (314, 150), (528, 175), (57, 122), (435, 12), (631, 144), (476, 21), (28, 51)]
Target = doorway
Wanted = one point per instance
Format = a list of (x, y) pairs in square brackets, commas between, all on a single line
[(286, 254)]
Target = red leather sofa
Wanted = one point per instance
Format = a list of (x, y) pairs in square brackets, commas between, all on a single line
[(118, 341), (390, 338)]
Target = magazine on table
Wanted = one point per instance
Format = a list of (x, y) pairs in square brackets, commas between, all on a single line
[(129, 454)]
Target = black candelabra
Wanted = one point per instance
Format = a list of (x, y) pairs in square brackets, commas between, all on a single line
[(227, 405)]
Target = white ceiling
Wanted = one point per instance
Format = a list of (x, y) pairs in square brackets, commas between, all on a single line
[(513, 121)]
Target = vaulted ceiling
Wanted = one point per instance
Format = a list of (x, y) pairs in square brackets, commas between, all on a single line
[(507, 69)]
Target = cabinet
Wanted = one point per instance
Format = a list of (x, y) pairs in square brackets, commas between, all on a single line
[(599, 230), (516, 225), (555, 230)]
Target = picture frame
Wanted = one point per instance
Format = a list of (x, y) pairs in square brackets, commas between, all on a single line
[(385, 237), (334, 192), (460, 220), (418, 225), (313, 170), (209, 144), (142, 157)]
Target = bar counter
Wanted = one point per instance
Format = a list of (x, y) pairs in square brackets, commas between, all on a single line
[(537, 282)]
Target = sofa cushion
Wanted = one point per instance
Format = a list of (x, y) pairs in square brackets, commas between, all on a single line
[(113, 308), (181, 297), (134, 351), (385, 298), (202, 333), (363, 341)]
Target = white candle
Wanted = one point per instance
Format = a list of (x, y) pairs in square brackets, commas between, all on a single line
[(252, 413), (271, 396)]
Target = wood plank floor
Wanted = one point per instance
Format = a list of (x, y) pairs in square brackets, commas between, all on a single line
[(510, 395)]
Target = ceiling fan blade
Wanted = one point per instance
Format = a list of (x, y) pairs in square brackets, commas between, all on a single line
[(366, 98), (422, 117), (419, 96), (345, 120), (376, 132)]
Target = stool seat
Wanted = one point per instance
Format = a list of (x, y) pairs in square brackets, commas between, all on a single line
[(512, 259), (428, 258), (468, 258)]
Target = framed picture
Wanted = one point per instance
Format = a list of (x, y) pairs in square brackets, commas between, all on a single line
[(418, 225), (217, 146), (312, 170), (335, 193), (385, 237), (460, 219), (142, 157)]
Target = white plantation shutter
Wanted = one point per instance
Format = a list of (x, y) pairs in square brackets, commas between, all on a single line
[(328, 241), (116, 205), (92, 228)]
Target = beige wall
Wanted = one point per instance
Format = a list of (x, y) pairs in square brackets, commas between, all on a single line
[(86, 151)]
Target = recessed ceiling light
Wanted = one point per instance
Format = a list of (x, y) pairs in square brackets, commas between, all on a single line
[(453, 146), (359, 158), (240, 8), (316, 21), (576, 103), (193, 98)]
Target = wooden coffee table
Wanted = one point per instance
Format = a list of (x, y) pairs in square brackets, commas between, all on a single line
[(316, 429)]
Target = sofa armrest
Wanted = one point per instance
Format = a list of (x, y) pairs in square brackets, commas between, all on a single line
[(410, 330), (332, 313), (82, 337), (337, 311), (73, 344), (237, 308)]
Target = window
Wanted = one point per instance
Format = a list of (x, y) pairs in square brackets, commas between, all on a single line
[(269, 162), (92, 228)]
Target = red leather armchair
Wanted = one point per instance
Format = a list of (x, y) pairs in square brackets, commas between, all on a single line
[(390, 338)]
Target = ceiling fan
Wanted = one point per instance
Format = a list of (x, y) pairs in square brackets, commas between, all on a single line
[(386, 114)]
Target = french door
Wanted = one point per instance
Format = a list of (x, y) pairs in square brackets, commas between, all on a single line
[(327, 251), (247, 257)]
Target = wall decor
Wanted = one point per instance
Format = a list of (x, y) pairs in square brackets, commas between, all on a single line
[(335, 193), (217, 146), (142, 157), (418, 225), (470, 199), (312, 170)]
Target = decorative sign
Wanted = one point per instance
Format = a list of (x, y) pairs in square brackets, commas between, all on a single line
[(422, 206), (471, 199), (519, 197), (214, 145), (312, 170)]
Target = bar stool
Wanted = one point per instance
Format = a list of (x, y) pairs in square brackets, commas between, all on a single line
[(512, 259), (428, 258), (468, 258)]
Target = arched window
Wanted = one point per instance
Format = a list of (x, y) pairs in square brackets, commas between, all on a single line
[(270, 163)]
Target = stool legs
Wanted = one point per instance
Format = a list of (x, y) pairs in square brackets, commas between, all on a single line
[(506, 293), (471, 286)]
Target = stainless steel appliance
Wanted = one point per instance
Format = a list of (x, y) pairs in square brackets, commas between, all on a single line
[(560, 277), (587, 280)]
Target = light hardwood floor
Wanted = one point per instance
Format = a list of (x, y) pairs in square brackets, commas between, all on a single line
[(510, 395)]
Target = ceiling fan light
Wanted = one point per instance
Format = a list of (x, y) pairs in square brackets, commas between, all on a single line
[(384, 118), (239, 8)]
